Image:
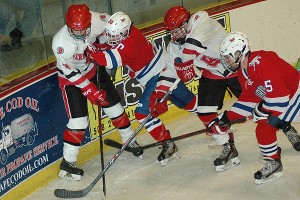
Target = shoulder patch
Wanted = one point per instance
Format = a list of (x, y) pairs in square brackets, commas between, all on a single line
[(60, 50)]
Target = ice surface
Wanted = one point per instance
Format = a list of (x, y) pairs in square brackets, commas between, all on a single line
[(193, 176)]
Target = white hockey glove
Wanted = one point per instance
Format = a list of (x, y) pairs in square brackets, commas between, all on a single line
[(258, 113)]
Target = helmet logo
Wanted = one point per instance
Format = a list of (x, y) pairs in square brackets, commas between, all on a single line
[(232, 39), (110, 21)]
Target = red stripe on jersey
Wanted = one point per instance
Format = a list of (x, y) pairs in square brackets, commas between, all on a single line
[(190, 52)]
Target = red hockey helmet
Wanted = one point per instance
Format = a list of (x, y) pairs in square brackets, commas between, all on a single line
[(175, 17), (78, 17)]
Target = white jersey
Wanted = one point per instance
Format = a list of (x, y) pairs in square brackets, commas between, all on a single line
[(73, 66), (204, 35)]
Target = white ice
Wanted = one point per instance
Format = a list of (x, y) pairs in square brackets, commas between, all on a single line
[(193, 176)]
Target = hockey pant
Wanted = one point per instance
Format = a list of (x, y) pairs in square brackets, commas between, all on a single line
[(182, 97), (77, 111), (211, 93)]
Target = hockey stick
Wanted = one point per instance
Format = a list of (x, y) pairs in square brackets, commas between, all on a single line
[(64, 193), (100, 134), (118, 145)]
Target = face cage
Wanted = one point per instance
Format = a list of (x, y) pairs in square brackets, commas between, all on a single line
[(113, 40), (178, 35), (81, 34), (230, 64)]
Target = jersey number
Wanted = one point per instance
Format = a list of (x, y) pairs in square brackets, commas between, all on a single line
[(268, 86)]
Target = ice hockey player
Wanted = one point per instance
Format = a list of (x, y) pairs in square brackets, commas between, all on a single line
[(77, 80), (270, 93), (195, 43), (146, 63)]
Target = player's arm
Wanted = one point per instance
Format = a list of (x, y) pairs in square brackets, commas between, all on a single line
[(111, 59)]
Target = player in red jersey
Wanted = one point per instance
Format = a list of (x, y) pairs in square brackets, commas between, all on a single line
[(147, 63), (270, 93)]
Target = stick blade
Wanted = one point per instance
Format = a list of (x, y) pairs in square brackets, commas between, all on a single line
[(68, 194)]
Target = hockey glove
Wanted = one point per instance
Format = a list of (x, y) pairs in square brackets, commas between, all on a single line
[(94, 95), (184, 70), (220, 125), (259, 114), (155, 106)]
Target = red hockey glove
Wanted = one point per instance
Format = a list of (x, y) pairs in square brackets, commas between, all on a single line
[(185, 71), (94, 95), (90, 49), (220, 125), (155, 106)]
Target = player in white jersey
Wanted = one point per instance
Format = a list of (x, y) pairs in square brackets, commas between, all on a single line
[(195, 43), (78, 78)]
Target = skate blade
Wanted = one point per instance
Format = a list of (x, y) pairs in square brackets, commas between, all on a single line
[(233, 162), (66, 175), (139, 157), (270, 178), (173, 158)]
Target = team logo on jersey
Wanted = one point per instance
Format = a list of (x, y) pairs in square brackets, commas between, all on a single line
[(119, 46), (103, 17), (60, 50), (248, 82), (255, 62)]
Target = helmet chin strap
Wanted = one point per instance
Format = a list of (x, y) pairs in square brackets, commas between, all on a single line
[(239, 63), (180, 41)]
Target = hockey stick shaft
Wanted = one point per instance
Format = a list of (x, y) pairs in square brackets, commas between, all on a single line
[(119, 145), (187, 135), (64, 193), (100, 134)]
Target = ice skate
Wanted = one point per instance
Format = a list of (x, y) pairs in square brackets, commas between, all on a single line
[(271, 171), (70, 171), (136, 149), (168, 154), (228, 158), (293, 137)]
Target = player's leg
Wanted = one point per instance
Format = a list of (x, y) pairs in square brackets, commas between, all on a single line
[(116, 112), (267, 141), (154, 126), (210, 97), (76, 108)]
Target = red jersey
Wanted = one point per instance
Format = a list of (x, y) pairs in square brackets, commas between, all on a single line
[(278, 78), (136, 53)]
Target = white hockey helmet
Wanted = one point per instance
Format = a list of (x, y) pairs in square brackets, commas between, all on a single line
[(233, 50), (117, 28)]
